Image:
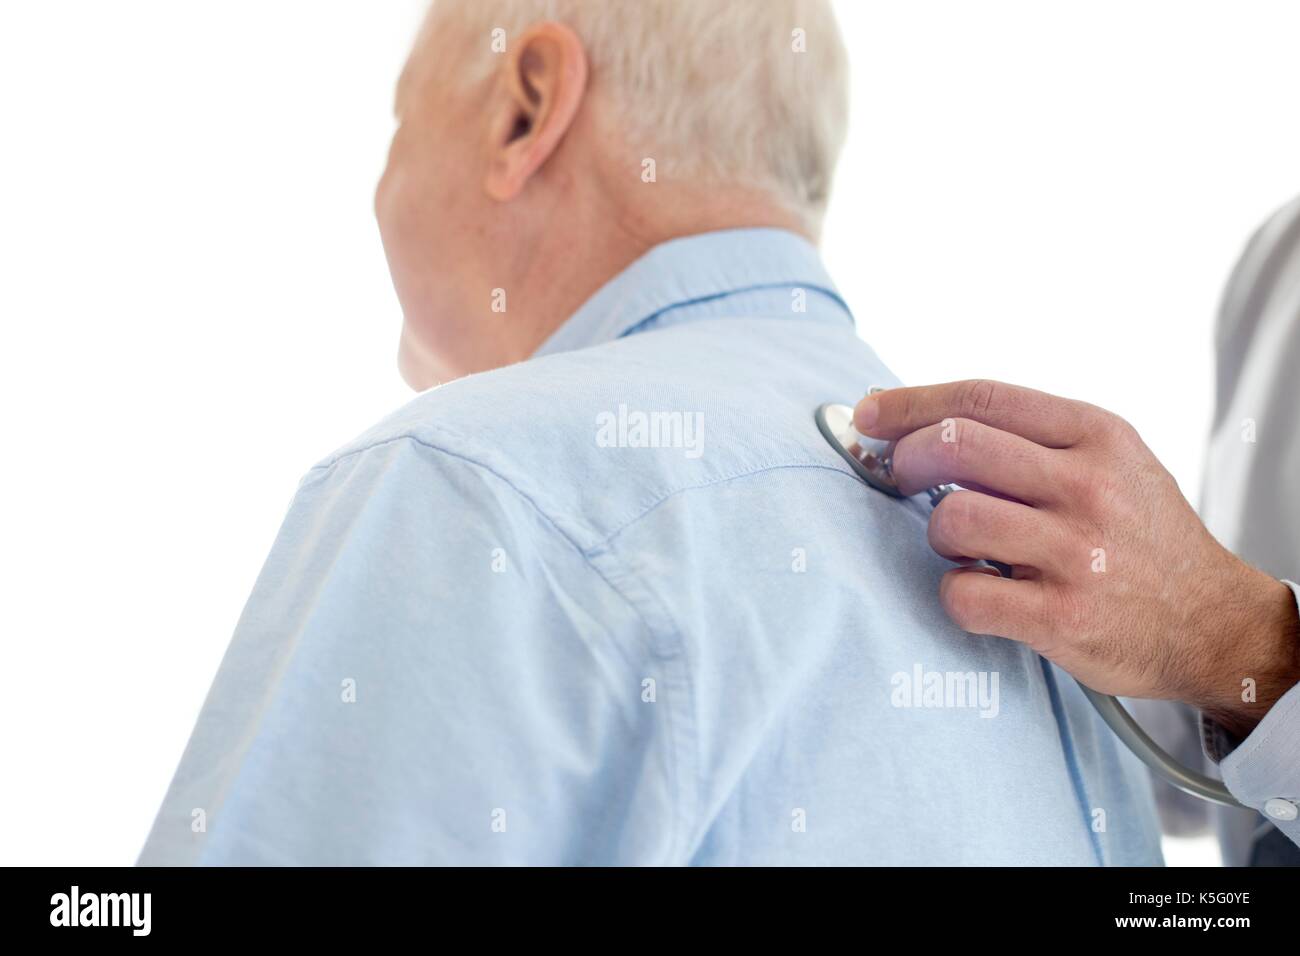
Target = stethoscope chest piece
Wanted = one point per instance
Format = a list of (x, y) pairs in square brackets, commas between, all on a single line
[(868, 457)]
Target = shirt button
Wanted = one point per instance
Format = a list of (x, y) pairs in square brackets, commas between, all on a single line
[(1280, 809)]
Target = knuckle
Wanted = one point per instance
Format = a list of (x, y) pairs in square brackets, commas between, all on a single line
[(1076, 481), (1063, 615), (957, 438), (1107, 500), (962, 601), (1116, 430), (1088, 489), (1068, 547), (951, 521), (902, 456), (1092, 414), (978, 396), (907, 403), (1088, 485)]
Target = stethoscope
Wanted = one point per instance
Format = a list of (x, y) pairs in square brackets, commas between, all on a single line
[(870, 460)]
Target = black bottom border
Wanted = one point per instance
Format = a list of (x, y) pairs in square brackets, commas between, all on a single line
[(370, 904)]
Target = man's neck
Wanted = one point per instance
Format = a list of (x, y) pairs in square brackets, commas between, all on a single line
[(571, 265)]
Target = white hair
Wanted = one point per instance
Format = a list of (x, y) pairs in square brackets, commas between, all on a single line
[(750, 92)]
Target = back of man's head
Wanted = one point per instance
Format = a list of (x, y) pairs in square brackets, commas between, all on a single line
[(543, 145), (747, 92)]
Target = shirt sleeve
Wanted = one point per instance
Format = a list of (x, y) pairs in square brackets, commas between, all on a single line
[(1263, 771), (428, 671)]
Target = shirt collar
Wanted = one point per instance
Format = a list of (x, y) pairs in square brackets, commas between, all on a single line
[(689, 270)]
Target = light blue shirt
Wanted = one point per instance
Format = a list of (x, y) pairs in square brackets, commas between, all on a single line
[(622, 604)]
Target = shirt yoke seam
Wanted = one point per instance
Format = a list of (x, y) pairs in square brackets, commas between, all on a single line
[(724, 479), (587, 555), (603, 541)]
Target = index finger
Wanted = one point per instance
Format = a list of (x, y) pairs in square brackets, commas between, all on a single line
[(1042, 418)]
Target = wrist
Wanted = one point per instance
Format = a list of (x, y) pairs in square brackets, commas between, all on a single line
[(1255, 653)]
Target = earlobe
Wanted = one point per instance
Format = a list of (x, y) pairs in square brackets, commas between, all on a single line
[(543, 82)]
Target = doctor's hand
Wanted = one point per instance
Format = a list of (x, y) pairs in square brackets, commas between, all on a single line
[(1115, 578)]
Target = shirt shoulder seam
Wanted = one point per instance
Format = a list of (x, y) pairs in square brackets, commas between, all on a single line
[(657, 644)]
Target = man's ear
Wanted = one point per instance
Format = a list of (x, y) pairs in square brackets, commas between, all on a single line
[(534, 105)]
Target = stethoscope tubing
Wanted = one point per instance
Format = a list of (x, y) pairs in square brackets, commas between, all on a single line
[(1150, 753)]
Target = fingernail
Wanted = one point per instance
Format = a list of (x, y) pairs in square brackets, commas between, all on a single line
[(865, 415), (978, 569)]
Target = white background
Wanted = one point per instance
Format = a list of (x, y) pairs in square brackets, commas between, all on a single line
[(195, 307)]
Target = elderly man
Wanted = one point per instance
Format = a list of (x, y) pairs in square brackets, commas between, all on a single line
[(599, 599)]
